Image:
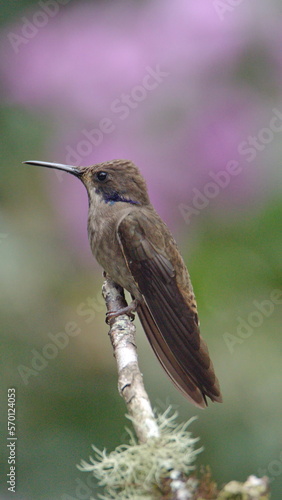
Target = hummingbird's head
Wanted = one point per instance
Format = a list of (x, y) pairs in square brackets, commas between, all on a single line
[(116, 181), (113, 181)]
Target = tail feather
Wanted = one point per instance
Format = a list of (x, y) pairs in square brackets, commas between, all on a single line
[(180, 378)]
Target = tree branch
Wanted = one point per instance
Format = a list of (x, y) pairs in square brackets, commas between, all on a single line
[(130, 380)]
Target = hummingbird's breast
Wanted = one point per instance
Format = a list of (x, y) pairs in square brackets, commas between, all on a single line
[(103, 220)]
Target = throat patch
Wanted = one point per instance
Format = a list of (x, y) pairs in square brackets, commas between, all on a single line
[(113, 197)]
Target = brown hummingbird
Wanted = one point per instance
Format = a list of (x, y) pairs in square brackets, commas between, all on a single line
[(136, 249)]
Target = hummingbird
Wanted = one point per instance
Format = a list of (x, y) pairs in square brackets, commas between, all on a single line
[(137, 250)]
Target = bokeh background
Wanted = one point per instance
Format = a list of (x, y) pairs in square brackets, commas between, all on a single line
[(73, 72)]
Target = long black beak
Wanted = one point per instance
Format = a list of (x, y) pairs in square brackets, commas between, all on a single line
[(59, 166)]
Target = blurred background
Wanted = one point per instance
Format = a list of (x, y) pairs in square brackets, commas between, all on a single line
[(191, 92)]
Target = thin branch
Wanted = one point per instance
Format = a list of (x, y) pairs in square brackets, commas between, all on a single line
[(130, 380)]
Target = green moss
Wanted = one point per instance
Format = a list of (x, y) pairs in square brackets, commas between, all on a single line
[(137, 471)]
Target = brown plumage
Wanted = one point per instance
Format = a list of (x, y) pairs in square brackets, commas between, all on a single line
[(136, 248)]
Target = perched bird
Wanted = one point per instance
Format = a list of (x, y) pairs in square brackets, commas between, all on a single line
[(135, 247)]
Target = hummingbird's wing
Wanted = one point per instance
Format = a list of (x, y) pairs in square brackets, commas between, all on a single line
[(168, 313)]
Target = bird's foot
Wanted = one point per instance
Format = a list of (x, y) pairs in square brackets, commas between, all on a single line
[(110, 315)]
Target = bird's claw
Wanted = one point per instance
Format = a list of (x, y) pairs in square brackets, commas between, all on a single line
[(110, 315)]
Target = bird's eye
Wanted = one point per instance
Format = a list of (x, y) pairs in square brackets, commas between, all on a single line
[(102, 176)]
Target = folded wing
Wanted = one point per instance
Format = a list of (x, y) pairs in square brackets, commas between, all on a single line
[(168, 319)]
